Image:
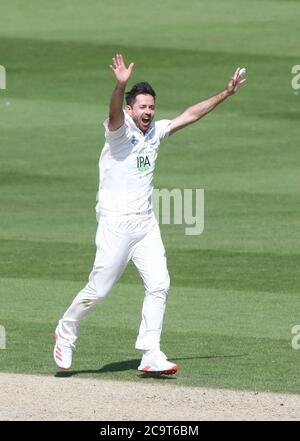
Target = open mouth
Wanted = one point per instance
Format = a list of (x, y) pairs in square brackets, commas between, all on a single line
[(146, 121)]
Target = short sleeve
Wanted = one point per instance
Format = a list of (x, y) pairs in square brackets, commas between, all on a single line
[(163, 128), (109, 134), (119, 136)]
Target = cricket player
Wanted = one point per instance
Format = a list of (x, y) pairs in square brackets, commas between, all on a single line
[(127, 228)]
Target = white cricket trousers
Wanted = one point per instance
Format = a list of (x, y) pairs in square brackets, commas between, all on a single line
[(120, 239)]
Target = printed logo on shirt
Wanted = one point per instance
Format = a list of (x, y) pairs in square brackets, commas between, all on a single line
[(143, 163), (134, 140)]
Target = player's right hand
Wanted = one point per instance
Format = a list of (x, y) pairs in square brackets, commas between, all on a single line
[(122, 73), (235, 82)]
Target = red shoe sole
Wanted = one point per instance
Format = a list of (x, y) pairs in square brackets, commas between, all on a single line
[(171, 371)]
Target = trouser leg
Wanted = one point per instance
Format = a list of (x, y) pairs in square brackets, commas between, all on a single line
[(150, 259), (111, 259)]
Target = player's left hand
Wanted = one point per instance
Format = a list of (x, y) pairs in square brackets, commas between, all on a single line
[(235, 82)]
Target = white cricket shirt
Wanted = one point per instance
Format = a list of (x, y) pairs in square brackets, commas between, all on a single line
[(126, 167)]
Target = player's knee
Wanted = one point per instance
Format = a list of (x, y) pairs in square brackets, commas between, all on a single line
[(102, 286), (161, 285)]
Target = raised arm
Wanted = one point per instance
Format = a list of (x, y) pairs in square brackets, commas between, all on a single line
[(122, 74), (197, 111)]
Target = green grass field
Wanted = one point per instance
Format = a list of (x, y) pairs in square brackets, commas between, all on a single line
[(235, 288)]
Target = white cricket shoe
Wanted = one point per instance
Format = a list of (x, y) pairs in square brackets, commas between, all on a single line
[(62, 354), (155, 361)]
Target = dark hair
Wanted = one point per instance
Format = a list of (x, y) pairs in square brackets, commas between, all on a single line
[(143, 88)]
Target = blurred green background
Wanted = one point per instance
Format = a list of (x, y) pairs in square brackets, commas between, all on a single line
[(235, 288)]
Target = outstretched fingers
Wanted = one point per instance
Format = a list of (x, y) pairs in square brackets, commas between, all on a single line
[(130, 67), (236, 74), (120, 59), (119, 68)]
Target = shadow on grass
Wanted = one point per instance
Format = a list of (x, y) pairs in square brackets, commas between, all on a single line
[(132, 364), (119, 366), (207, 357)]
